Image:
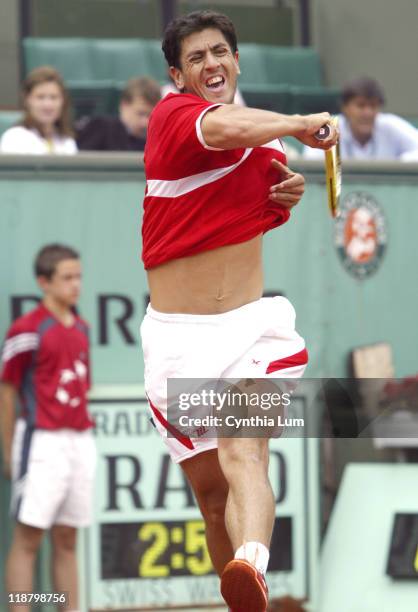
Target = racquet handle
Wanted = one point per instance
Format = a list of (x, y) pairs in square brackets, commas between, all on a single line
[(323, 132)]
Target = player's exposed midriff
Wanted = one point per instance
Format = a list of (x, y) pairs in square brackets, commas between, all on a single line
[(211, 282)]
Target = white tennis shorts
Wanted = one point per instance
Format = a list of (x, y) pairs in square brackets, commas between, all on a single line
[(257, 340), (52, 476)]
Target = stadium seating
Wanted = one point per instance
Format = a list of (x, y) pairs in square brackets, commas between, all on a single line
[(71, 56), (314, 99), (88, 99), (266, 96), (96, 60), (95, 70), (120, 60), (285, 79), (279, 65)]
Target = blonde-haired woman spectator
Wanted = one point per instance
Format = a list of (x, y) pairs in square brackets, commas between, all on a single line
[(46, 124)]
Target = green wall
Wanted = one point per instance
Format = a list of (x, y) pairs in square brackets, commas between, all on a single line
[(96, 207)]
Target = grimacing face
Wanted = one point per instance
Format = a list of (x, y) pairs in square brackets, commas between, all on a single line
[(65, 283), (209, 68), (361, 113), (44, 103)]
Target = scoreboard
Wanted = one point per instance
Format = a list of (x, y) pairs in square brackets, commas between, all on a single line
[(147, 545)]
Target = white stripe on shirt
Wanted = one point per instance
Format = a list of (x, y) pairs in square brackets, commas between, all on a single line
[(174, 189), (19, 344)]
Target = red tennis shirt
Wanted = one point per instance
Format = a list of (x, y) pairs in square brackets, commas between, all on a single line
[(199, 198), (48, 364)]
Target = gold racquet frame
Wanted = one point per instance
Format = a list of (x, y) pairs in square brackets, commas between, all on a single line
[(333, 176)]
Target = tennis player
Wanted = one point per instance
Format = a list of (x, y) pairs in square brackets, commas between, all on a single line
[(217, 180), (49, 451)]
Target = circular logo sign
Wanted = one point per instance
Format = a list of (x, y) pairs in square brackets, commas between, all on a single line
[(360, 234)]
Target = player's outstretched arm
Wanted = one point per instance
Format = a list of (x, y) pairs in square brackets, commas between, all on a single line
[(231, 126)]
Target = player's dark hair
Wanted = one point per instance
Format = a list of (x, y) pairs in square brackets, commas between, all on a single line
[(142, 87), (50, 256), (364, 87), (181, 27)]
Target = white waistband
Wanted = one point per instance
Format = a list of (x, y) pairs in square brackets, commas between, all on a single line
[(203, 318)]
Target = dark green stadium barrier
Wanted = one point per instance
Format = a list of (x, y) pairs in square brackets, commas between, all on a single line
[(268, 97), (305, 100), (291, 99), (8, 119), (94, 99)]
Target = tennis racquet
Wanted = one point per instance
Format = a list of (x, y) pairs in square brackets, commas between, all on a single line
[(332, 170)]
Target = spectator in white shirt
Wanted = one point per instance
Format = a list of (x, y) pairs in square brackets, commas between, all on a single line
[(366, 132), (46, 126)]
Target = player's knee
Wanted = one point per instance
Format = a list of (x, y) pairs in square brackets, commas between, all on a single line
[(27, 539), (64, 539), (212, 501), (243, 459), (213, 509)]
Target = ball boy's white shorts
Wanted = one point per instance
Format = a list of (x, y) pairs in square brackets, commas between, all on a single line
[(257, 340), (52, 476)]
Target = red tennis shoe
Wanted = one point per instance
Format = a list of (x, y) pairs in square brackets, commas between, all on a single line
[(243, 587)]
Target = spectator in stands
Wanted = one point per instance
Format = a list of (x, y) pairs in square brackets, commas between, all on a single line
[(365, 131), (128, 131), (46, 125)]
